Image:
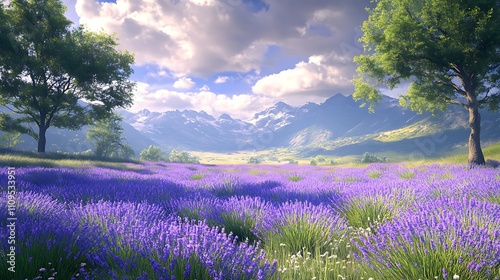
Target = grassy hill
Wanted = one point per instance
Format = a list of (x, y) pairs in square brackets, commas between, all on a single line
[(275, 156)]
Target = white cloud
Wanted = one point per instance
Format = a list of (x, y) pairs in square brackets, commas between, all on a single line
[(319, 78), (184, 83), (221, 79), (204, 88), (242, 106), (205, 37)]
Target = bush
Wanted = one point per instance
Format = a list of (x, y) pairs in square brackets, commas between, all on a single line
[(320, 158), (372, 158), (182, 157), (152, 153), (254, 160)]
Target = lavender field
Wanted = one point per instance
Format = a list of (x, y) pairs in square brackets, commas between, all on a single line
[(177, 221)]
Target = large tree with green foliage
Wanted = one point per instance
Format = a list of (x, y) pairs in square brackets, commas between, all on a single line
[(53, 74), (448, 49)]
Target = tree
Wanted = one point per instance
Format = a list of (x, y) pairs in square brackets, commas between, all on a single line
[(152, 153), (48, 68), (449, 50), (107, 138)]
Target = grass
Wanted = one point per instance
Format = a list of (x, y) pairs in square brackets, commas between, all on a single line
[(257, 172), (418, 129), (22, 158), (295, 178), (63, 260), (275, 156), (407, 175), (374, 175), (366, 212), (241, 227), (198, 176), (460, 156), (316, 265)]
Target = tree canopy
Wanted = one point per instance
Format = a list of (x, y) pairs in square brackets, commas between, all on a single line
[(54, 74), (152, 153), (106, 136), (449, 50)]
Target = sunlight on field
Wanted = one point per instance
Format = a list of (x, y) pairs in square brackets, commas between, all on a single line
[(255, 221), (20, 160), (412, 131)]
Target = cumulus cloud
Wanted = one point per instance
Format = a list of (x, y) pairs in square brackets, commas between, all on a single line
[(241, 106), (315, 80), (184, 83), (204, 88), (205, 37), (221, 79)]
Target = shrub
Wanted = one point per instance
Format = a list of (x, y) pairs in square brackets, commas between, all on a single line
[(453, 236), (372, 158), (152, 153), (299, 225), (182, 157), (320, 158), (254, 160)]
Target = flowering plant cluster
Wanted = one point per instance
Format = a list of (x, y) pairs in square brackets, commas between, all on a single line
[(191, 221)]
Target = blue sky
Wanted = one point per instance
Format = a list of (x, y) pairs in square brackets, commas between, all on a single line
[(232, 56)]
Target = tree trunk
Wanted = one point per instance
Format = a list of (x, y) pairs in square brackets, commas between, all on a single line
[(41, 139), (475, 152)]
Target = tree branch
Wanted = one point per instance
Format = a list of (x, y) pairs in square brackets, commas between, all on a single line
[(458, 89), (456, 102), (488, 98), (34, 119)]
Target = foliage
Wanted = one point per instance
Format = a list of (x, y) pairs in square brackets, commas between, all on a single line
[(320, 158), (198, 176), (366, 213), (125, 223), (47, 67), (294, 178), (425, 252), (450, 50), (254, 160), (182, 157), (107, 139), (13, 125), (10, 139), (152, 153), (372, 158), (313, 162)]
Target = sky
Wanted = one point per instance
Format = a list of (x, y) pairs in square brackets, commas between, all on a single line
[(231, 56)]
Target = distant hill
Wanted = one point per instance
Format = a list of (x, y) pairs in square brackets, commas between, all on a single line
[(337, 126)]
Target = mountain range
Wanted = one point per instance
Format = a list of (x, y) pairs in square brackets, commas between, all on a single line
[(337, 126)]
